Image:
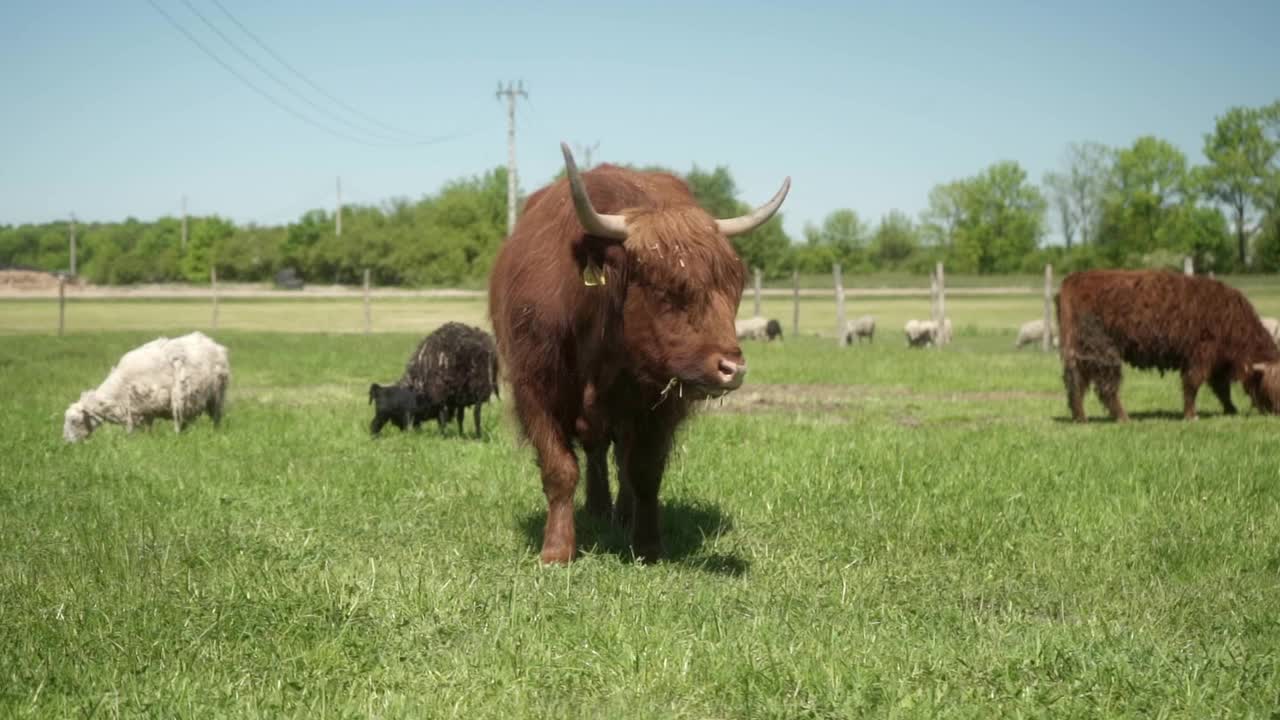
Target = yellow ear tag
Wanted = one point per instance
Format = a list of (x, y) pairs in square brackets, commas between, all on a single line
[(593, 275)]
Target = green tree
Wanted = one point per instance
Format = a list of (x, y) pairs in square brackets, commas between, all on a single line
[(844, 234), (1076, 191), (1148, 180), (940, 220), (1002, 220), (1267, 197), (768, 246), (895, 240), (1241, 159)]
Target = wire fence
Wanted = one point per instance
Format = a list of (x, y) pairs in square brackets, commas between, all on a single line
[(829, 310)]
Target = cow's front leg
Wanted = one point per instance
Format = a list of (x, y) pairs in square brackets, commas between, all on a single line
[(599, 502), (645, 458), (559, 467)]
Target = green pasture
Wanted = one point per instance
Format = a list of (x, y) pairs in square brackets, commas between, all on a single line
[(867, 532)]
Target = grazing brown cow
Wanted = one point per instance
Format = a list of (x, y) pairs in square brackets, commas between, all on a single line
[(1168, 321), (613, 303)]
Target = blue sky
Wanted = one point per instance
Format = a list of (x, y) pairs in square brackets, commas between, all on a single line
[(108, 111)]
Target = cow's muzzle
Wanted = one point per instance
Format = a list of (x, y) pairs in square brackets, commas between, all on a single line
[(730, 374)]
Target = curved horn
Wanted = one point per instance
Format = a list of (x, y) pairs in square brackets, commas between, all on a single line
[(756, 218), (611, 227)]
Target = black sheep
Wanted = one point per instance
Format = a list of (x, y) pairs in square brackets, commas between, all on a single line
[(773, 330), (399, 405), (453, 368)]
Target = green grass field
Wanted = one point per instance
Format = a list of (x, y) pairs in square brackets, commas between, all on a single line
[(862, 532)]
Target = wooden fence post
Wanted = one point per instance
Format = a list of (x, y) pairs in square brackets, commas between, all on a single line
[(933, 296), (757, 292), (213, 288), (62, 303), (840, 323), (1046, 343), (795, 304), (368, 317), (942, 300)]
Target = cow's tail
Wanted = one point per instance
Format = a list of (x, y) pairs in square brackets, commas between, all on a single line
[(493, 375), (1064, 312)]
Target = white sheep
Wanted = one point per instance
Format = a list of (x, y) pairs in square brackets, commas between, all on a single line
[(1272, 326), (175, 378), (1032, 332), (757, 328), (921, 333), (863, 327)]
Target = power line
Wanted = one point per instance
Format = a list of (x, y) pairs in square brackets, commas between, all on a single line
[(274, 101), (289, 88), (298, 73), (252, 86)]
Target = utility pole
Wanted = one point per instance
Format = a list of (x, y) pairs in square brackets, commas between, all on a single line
[(1047, 340), (337, 216), (586, 152), (511, 92), (73, 244), (184, 223)]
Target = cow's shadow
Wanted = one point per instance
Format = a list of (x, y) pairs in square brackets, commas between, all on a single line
[(1144, 416), (686, 527)]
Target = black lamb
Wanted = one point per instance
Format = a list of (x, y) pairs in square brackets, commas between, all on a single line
[(453, 368), (399, 405)]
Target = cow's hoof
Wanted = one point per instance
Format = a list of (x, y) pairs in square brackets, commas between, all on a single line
[(649, 553), (561, 555)]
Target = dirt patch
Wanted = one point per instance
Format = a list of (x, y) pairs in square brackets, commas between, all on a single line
[(29, 281), (993, 395), (778, 398), (836, 398)]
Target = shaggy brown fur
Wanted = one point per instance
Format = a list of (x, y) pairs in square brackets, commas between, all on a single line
[(1166, 321), (614, 362), (453, 368)]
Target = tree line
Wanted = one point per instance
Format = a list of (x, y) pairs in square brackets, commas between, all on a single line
[(1143, 205)]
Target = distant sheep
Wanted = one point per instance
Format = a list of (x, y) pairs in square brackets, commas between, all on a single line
[(1272, 326), (1032, 333), (921, 333), (176, 379), (863, 327), (758, 328), (773, 330), (453, 368), (398, 405)]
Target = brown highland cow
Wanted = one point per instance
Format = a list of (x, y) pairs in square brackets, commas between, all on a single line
[(1153, 319), (613, 303)]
